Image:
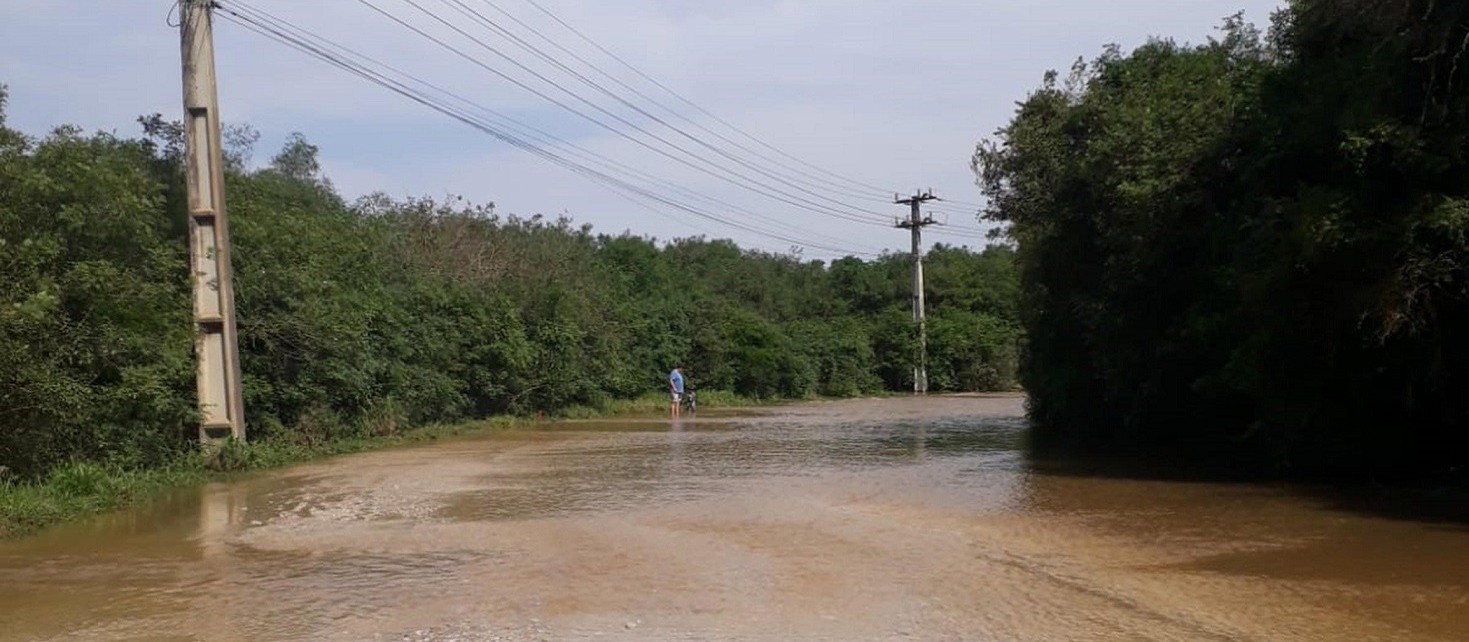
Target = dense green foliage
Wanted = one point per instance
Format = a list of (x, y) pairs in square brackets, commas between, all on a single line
[(362, 318), (1255, 248)]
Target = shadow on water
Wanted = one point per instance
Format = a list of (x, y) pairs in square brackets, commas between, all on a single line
[(1442, 505), (1439, 504)]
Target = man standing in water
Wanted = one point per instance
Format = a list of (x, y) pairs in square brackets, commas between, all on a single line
[(675, 388)]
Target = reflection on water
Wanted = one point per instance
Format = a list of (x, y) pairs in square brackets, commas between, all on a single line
[(329, 548)]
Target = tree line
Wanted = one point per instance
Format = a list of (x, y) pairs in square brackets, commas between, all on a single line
[(1252, 250), (377, 315)]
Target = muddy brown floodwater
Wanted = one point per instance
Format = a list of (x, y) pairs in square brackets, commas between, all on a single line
[(856, 520)]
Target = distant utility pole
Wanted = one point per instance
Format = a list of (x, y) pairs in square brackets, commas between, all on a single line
[(221, 401), (915, 224)]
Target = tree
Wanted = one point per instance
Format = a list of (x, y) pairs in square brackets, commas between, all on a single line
[(1250, 249), (298, 160)]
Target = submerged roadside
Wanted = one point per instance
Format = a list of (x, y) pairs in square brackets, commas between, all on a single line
[(82, 489)]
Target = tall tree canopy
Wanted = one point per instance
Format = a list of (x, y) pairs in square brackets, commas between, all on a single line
[(1253, 248)]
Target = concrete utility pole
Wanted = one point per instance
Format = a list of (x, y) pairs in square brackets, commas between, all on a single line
[(916, 223), (221, 401)]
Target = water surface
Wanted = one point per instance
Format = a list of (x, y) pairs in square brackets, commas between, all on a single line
[(862, 520)]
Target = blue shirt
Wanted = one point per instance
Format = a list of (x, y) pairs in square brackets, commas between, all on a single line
[(676, 378)]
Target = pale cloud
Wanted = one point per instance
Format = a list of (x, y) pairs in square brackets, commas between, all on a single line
[(893, 93)]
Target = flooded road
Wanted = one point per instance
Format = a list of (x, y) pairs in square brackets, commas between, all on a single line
[(892, 519)]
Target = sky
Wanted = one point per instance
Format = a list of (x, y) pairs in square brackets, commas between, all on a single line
[(874, 96)]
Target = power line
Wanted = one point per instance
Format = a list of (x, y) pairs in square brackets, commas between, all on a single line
[(796, 183), (719, 172), (807, 178), (397, 87), (252, 19), (878, 192), (870, 191), (542, 137)]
